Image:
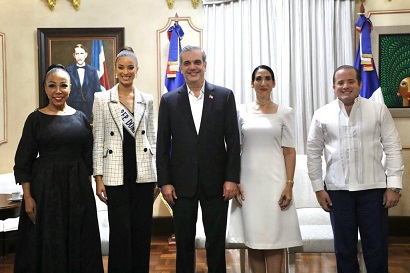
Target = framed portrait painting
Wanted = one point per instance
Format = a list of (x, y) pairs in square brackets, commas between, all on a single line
[(94, 49)]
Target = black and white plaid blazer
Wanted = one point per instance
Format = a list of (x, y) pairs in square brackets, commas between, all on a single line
[(108, 137)]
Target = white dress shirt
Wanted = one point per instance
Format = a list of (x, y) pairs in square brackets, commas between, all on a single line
[(197, 104), (353, 147), (81, 72)]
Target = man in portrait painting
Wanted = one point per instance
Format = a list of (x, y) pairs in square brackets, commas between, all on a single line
[(85, 82)]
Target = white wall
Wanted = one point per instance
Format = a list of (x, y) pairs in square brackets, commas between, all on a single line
[(20, 19)]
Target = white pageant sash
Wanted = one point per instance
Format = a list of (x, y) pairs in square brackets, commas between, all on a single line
[(128, 120)]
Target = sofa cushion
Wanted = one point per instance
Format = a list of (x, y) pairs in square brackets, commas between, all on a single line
[(11, 224), (317, 238), (8, 184), (103, 224), (303, 193), (104, 231), (313, 216)]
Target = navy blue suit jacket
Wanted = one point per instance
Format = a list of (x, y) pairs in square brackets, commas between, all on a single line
[(212, 156), (82, 97)]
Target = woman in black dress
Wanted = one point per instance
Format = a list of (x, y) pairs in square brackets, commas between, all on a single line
[(58, 228)]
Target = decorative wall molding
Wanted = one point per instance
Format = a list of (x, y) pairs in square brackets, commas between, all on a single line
[(76, 4), (192, 36), (51, 4), (170, 3), (3, 106), (195, 3)]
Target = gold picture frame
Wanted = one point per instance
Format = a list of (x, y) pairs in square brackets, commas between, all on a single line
[(56, 45)]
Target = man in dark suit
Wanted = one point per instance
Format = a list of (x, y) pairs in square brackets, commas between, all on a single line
[(198, 159), (84, 82)]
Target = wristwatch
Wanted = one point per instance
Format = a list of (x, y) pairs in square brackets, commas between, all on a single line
[(398, 190)]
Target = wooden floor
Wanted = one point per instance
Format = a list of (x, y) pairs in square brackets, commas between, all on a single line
[(163, 259)]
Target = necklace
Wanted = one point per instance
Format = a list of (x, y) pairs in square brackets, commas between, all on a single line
[(262, 103)]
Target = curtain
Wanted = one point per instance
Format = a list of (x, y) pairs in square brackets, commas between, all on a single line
[(303, 42), (210, 2)]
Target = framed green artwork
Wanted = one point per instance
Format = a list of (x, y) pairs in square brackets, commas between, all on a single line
[(391, 53)]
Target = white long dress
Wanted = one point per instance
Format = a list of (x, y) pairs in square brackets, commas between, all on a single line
[(260, 223)]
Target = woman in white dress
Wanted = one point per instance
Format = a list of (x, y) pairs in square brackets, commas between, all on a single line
[(269, 219)]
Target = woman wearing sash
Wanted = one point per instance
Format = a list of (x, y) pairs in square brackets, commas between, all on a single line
[(124, 166)]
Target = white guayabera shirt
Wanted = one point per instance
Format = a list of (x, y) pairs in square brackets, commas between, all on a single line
[(353, 147)]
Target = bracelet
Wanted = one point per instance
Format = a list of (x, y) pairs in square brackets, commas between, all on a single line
[(290, 182)]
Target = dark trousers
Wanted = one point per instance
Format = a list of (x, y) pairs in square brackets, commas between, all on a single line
[(214, 217), (130, 217), (361, 210)]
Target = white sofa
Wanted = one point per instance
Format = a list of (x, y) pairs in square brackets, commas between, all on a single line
[(9, 226), (102, 215), (8, 185), (314, 222), (315, 227)]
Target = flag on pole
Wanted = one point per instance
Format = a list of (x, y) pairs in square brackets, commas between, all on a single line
[(173, 76), (364, 61), (98, 61)]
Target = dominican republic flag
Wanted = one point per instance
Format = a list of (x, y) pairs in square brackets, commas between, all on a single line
[(364, 62), (98, 61), (173, 76)]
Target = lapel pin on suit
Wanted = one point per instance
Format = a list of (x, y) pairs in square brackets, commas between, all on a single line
[(211, 96)]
